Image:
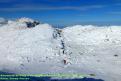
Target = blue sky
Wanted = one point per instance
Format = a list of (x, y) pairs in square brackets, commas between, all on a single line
[(64, 12)]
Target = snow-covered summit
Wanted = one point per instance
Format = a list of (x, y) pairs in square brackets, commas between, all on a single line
[(29, 22), (24, 19), (21, 23)]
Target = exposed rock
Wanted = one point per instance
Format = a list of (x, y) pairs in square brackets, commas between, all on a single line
[(29, 22)]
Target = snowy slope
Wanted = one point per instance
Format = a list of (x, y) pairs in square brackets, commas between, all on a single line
[(95, 50), (44, 49), (20, 46)]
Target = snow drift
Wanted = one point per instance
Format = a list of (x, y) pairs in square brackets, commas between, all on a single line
[(44, 49)]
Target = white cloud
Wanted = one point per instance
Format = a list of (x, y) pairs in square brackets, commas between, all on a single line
[(33, 7)]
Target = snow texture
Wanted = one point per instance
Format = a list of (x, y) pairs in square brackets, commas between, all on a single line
[(77, 49)]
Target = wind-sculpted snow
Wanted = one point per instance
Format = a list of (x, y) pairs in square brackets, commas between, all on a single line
[(77, 49)]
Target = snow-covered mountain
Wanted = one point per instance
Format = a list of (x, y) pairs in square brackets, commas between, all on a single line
[(30, 47)]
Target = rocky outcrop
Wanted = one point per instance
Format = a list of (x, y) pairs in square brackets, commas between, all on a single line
[(29, 22)]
